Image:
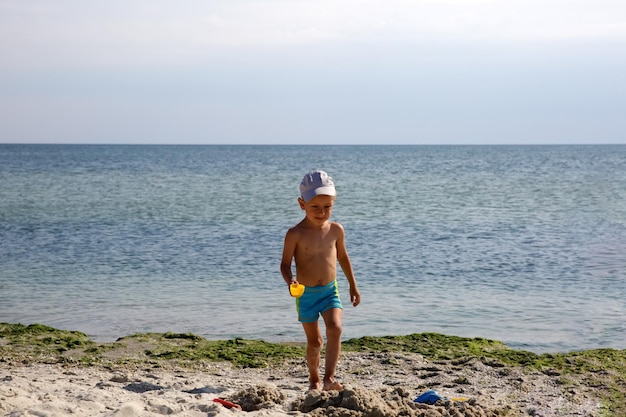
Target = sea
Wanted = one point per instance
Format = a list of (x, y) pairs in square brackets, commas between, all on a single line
[(522, 244)]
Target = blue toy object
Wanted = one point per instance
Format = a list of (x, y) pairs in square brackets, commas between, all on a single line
[(429, 397)]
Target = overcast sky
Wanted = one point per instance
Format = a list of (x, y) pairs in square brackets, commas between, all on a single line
[(313, 72)]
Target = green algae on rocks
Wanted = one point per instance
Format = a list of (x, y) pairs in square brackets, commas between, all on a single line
[(39, 339), (37, 342), (240, 352)]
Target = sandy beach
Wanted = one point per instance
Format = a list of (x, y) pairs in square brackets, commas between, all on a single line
[(48, 372), (376, 384)]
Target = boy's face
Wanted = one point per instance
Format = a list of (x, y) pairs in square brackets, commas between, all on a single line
[(318, 208)]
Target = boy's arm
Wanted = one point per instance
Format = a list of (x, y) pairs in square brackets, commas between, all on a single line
[(289, 250), (346, 267)]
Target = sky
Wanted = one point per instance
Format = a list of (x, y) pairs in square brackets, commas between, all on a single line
[(313, 71)]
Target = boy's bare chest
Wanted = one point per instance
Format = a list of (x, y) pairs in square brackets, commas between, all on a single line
[(319, 243)]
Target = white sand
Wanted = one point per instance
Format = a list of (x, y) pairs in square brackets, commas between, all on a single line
[(60, 390), (52, 390)]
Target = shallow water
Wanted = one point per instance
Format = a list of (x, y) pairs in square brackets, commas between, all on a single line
[(522, 244)]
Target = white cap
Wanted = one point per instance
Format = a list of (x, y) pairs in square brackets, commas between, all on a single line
[(316, 183)]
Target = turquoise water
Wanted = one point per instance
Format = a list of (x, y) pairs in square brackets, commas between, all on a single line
[(524, 244)]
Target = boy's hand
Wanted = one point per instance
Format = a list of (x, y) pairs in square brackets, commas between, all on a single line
[(293, 281), (355, 296)]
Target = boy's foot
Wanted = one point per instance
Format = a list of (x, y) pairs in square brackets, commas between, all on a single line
[(332, 386), (314, 385)]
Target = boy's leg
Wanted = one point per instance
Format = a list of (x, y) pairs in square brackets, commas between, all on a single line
[(314, 344), (332, 319)]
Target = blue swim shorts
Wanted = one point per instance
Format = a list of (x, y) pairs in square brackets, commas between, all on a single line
[(317, 300)]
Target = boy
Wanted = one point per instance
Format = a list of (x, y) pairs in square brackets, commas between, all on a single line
[(317, 244)]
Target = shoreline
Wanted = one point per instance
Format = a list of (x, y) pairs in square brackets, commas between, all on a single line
[(45, 371)]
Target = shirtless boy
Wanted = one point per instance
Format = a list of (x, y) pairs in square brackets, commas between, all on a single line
[(317, 244)]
